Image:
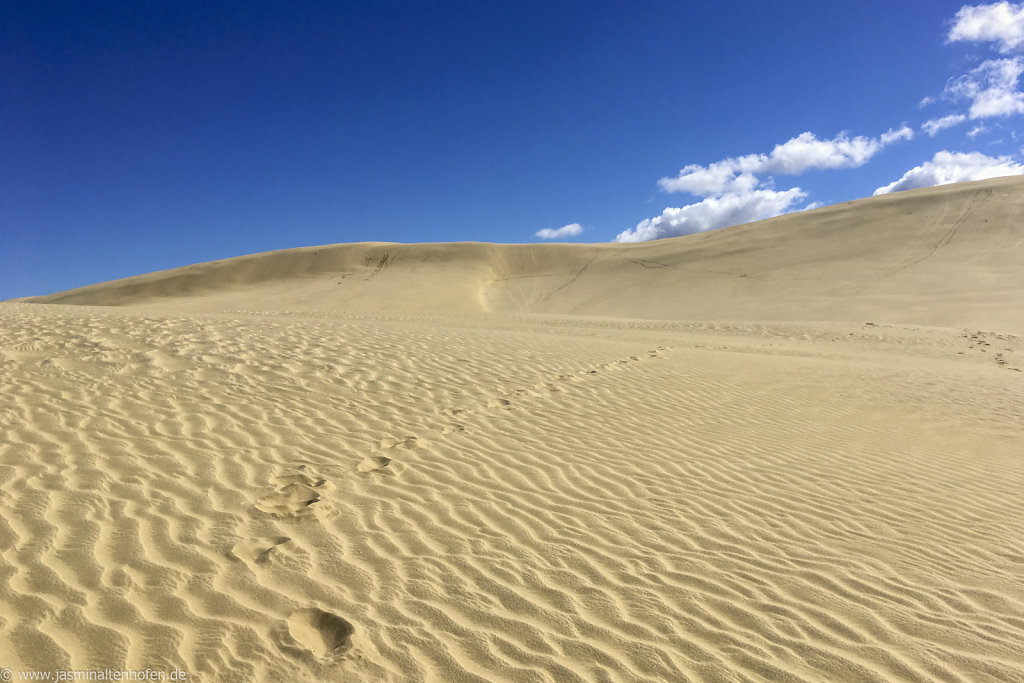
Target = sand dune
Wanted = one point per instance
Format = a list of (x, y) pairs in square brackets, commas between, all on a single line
[(783, 451), (944, 256)]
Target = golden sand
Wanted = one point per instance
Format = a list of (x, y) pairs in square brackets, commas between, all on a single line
[(791, 450)]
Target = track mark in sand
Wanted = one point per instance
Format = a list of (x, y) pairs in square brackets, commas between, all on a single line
[(300, 490), (947, 237), (301, 478), (406, 443), (380, 264), (572, 279), (373, 463), (505, 402), (380, 464), (1003, 363), (647, 263), (324, 634), (979, 341), (288, 500), (616, 364), (259, 550), (294, 493)]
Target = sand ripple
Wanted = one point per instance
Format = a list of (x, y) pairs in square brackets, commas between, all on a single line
[(322, 497)]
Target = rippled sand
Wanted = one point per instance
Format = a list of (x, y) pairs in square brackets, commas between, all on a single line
[(247, 479)]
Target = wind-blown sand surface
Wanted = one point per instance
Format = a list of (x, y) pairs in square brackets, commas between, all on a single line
[(789, 451)]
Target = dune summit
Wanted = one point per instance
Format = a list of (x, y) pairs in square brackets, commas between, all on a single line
[(789, 450)]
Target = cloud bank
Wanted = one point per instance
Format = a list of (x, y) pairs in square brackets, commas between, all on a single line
[(953, 167), (1001, 23), (797, 155), (991, 88), (714, 212), (734, 190), (570, 230)]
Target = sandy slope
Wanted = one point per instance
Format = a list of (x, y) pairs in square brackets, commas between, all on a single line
[(947, 256), (251, 472)]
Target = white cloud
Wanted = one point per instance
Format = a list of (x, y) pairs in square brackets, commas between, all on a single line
[(925, 101), (570, 230), (735, 193), (738, 175), (714, 212), (714, 179), (954, 167), (891, 136), (1000, 22), (991, 88), (933, 126), (805, 152), (976, 131)]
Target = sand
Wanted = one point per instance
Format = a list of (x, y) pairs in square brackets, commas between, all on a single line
[(791, 450)]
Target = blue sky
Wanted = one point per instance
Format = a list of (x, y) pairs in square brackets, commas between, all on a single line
[(142, 136)]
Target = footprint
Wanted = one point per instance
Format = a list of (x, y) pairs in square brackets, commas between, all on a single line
[(546, 385), (259, 550), (499, 403), (289, 499), (322, 633), (453, 428), (408, 443), (373, 463), (304, 479)]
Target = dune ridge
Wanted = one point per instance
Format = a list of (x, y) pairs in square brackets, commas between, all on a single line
[(443, 470), (943, 256)]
